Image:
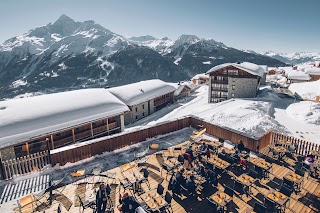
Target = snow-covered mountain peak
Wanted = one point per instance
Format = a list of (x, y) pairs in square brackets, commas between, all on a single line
[(184, 39), (142, 38)]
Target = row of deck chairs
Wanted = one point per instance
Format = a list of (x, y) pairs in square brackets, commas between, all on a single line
[(33, 199)]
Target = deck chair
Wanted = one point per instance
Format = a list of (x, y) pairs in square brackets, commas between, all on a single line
[(25, 201), (259, 208), (86, 204), (78, 173)]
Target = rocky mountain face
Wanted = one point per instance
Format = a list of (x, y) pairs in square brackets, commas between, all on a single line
[(66, 55), (294, 58)]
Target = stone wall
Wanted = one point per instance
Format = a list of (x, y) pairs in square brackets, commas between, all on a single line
[(243, 87)]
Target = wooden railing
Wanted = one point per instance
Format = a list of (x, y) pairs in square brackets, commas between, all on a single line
[(25, 165), (303, 147)]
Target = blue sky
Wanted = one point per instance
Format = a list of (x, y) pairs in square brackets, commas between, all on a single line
[(261, 25)]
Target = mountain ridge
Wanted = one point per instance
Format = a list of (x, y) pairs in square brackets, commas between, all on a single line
[(68, 54)]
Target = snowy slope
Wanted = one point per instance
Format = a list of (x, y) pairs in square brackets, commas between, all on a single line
[(247, 116)]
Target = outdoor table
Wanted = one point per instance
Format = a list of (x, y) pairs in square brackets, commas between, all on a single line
[(281, 150), (229, 151), (221, 198), (261, 163), (295, 178), (153, 200), (283, 142), (246, 179), (278, 197), (315, 152), (219, 162), (216, 144)]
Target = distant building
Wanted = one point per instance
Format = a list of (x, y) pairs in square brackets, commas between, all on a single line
[(317, 64), (234, 80), (183, 89), (264, 77), (199, 79), (313, 72), (35, 124), (143, 98), (295, 76)]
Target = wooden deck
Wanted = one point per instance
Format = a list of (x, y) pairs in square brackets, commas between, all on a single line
[(308, 200)]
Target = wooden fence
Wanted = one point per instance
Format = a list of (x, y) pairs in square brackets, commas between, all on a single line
[(227, 134), (87, 149), (303, 147), (111, 143), (24, 165)]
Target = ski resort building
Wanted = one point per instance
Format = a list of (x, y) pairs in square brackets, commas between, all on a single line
[(295, 76), (199, 79), (234, 80), (41, 123), (313, 72), (143, 98)]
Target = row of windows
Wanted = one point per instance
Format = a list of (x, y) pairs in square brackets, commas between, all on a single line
[(137, 108)]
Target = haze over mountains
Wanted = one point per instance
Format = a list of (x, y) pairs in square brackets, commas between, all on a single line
[(67, 54)]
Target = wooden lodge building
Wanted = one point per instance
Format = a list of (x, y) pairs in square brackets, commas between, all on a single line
[(234, 80), (144, 98), (314, 73), (41, 123)]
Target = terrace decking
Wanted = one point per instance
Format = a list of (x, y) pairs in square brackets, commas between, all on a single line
[(308, 200)]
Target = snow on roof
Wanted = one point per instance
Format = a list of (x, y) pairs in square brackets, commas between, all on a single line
[(264, 67), (251, 68), (25, 118), (201, 75), (297, 75), (307, 90), (312, 71), (136, 93)]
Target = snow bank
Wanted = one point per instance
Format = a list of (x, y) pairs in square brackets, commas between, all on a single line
[(307, 90), (246, 116), (305, 111)]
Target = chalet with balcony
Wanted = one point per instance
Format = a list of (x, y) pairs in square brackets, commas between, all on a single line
[(234, 80), (41, 123), (144, 98), (200, 79)]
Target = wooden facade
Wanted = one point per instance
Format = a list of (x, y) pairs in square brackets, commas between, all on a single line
[(60, 138), (162, 101), (314, 77)]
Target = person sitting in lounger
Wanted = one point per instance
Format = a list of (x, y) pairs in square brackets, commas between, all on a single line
[(128, 203)]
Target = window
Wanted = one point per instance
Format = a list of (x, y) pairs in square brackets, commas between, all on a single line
[(233, 87), (58, 135), (136, 117), (136, 109), (143, 106), (232, 95), (143, 114), (233, 72)]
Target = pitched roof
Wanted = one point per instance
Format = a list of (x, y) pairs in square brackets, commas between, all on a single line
[(200, 75), (25, 118), (312, 71), (298, 75), (136, 93), (251, 68)]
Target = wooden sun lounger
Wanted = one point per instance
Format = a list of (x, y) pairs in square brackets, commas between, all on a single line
[(198, 134)]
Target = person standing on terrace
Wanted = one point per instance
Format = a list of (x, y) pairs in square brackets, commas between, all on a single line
[(101, 198)]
